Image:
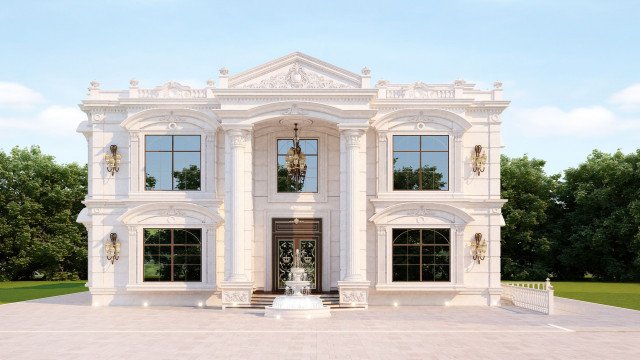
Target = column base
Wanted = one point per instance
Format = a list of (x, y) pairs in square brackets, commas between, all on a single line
[(236, 293), (354, 293)]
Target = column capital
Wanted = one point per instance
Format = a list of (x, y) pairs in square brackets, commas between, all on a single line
[(238, 135), (351, 135), (457, 135)]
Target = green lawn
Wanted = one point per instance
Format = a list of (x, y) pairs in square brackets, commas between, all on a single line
[(13, 291), (626, 295)]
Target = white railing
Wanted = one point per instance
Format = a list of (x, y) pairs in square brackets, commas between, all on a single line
[(536, 296)]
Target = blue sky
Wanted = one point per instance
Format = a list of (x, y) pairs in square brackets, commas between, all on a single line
[(570, 68)]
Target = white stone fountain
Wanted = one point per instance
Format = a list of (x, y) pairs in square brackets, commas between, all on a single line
[(297, 302)]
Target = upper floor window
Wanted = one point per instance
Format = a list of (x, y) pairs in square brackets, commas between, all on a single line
[(421, 255), (285, 184), (172, 162), (421, 162), (172, 254)]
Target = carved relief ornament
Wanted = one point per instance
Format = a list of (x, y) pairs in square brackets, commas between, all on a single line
[(296, 78)]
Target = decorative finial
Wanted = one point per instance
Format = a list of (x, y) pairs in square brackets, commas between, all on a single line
[(366, 71), (497, 85), (224, 71), (210, 83), (459, 82), (95, 85), (133, 83)]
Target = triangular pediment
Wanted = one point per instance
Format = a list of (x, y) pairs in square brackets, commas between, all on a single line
[(296, 71)]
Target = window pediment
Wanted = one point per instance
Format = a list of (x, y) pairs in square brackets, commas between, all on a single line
[(168, 120), (170, 214), (421, 213)]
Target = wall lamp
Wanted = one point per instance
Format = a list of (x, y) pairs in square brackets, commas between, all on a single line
[(113, 159), (478, 160), (112, 248), (478, 248)]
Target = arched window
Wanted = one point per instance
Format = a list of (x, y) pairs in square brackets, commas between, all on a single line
[(421, 255)]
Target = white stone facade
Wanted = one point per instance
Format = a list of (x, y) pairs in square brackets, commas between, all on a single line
[(239, 120)]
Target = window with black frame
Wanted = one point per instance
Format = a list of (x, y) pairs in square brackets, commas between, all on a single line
[(421, 162), (421, 255), (172, 255), (172, 162), (309, 148)]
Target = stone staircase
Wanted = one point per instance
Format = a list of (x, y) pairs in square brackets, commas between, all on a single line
[(259, 300)]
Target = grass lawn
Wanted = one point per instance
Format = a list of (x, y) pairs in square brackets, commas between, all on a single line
[(626, 295), (13, 291)]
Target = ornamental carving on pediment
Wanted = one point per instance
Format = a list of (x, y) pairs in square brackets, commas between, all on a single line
[(172, 211), (296, 78), (420, 117), (294, 110), (423, 212)]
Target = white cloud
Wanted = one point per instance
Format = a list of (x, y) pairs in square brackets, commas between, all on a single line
[(594, 121), (14, 95), (53, 120), (628, 98)]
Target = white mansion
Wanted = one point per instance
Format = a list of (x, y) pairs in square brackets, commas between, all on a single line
[(390, 193)]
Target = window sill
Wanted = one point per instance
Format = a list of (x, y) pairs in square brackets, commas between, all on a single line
[(179, 286), (420, 286)]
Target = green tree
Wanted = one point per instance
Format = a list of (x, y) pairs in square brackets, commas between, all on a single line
[(527, 238), (186, 179), (601, 199), (39, 203)]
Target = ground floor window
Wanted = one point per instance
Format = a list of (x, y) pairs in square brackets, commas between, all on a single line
[(172, 254), (421, 254)]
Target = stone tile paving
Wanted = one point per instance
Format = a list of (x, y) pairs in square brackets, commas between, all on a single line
[(65, 327)]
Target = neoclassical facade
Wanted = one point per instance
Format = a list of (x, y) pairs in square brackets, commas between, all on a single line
[(195, 204)]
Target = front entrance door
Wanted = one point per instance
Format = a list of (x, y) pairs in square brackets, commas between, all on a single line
[(304, 235)]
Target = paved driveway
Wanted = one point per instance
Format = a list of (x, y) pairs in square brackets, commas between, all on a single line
[(65, 327)]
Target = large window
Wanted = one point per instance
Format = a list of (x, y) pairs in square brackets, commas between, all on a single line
[(172, 162), (310, 149), (421, 162), (172, 254), (421, 255)]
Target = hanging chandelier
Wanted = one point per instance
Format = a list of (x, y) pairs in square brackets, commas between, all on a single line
[(296, 160)]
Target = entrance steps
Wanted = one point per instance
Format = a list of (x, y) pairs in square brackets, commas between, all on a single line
[(259, 300)]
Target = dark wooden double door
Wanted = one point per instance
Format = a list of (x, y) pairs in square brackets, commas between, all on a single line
[(303, 235)]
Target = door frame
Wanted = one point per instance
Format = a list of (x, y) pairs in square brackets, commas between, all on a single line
[(305, 227)]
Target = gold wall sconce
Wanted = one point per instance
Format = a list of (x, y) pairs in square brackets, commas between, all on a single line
[(113, 159), (478, 248), (112, 248), (478, 160)]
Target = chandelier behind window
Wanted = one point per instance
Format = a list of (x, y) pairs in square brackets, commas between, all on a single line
[(296, 160)]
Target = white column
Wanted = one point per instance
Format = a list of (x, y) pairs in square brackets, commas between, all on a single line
[(352, 140), (354, 288), (237, 288), (234, 202)]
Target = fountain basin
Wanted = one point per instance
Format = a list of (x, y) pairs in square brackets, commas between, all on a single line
[(297, 307)]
